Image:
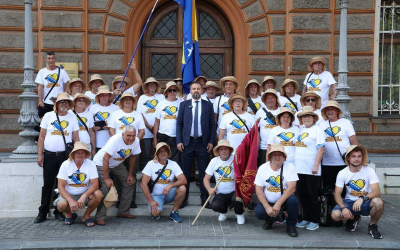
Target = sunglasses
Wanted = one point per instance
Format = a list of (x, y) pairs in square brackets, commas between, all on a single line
[(310, 100), (80, 100), (63, 101), (172, 90)]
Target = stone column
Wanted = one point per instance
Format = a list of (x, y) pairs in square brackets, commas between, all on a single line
[(28, 118), (342, 98)]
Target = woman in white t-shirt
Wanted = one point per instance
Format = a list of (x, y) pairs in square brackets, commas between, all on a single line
[(253, 94), (269, 83), (238, 123), (229, 85), (288, 91), (309, 151), (285, 133), (312, 99), (76, 86), (93, 87)]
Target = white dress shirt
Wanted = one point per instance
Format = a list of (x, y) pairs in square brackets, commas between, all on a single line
[(199, 120)]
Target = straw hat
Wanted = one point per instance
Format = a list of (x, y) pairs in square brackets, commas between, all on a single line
[(197, 78), (93, 78), (104, 90), (119, 79), (364, 161), (125, 95), (270, 91), (169, 85), (222, 143), (88, 101), (269, 78), (177, 79), (79, 146), (237, 96), (281, 111), (146, 85), (228, 78), (331, 103), (158, 147), (286, 82), (307, 110), (311, 94), (246, 90), (276, 147), (75, 80), (64, 96), (212, 84), (314, 60)]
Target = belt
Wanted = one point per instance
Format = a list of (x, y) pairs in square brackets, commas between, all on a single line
[(195, 138), (54, 153)]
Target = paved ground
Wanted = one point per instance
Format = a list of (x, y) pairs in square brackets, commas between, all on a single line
[(142, 232)]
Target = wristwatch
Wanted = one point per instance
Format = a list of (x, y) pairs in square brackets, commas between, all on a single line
[(342, 208), (365, 198)]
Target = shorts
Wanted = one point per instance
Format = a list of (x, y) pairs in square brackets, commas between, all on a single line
[(75, 197), (162, 199), (365, 208)]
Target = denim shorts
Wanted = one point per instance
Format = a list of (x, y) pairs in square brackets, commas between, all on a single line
[(162, 199), (365, 208)]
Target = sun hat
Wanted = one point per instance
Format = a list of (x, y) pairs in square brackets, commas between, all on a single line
[(308, 94), (197, 78), (270, 91), (158, 147), (125, 95), (314, 60), (169, 85), (276, 147), (281, 111), (177, 79), (307, 110), (331, 103), (79, 146), (88, 101), (212, 84), (228, 78), (104, 89), (246, 90), (145, 86), (237, 96), (93, 78), (64, 96), (222, 143), (286, 82), (364, 154), (119, 79), (269, 78), (75, 80)]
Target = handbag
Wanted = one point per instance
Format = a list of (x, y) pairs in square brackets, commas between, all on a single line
[(334, 138), (151, 183), (68, 146), (326, 201), (248, 130)]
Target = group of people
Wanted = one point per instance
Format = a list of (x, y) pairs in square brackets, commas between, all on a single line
[(303, 142)]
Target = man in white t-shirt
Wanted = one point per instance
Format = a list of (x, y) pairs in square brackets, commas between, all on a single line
[(211, 89), (362, 192), (275, 185), (109, 160)]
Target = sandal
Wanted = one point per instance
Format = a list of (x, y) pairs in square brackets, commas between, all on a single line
[(70, 221), (87, 221), (101, 222)]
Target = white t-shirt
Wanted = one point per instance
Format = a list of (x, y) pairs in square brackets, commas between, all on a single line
[(357, 184), (47, 78), (287, 104), (287, 138), (216, 168), (147, 107), (54, 141), (87, 118), (270, 180), (235, 129), (307, 144), (118, 150), (78, 181), (258, 103), (223, 108), (342, 130), (153, 169), (320, 84), (167, 112), (265, 125), (102, 113), (119, 119), (130, 90)]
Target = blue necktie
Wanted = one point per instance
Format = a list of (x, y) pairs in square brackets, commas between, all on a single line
[(196, 121)]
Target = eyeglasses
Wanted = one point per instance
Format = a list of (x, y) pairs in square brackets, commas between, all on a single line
[(80, 100), (172, 90), (317, 63), (310, 100), (63, 101)]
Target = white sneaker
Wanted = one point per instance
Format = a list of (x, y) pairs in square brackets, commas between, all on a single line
[(222, 217), (240, 219)]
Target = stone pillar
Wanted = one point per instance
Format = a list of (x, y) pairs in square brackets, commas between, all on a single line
[(342, 98), (28, 118)]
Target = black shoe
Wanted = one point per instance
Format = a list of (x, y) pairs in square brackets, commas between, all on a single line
[(184, 204), (133, 205), (250, 206), (267, 225), (291, 230), (117, 204), (351, 225), (373, 230), (58, 215), (40, 218), (208, 206), (299, 218)]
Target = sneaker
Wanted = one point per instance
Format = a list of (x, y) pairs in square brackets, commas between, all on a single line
[(267, 225), (302, 224), (222, 217), (240, 219), (351, 225), (291, 230), (312, 226), (373, 230), (155, 217), (175, 216)]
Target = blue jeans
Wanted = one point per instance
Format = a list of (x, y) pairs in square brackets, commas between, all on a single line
[(162, 199), (365, 207), (292, 208)]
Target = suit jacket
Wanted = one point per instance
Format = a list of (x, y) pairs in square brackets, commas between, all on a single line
[(185, 119)]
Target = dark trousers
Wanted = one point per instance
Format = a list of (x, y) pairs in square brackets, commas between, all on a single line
[(147, 151), (171, 141), (307, 190), (51, 165), (329, 174), (197, 149), (262, 157), (42, 112), (292, 208), (221, 202)]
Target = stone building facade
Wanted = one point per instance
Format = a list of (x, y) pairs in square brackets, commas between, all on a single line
[(245, 38)]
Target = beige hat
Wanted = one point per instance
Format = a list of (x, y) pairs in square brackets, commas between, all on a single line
[(119, 79), (197, 78), (364, 154), (64, 96), (146, 85), (269, 78), (125, 95), (307, 110), (237, 96), (93, 78), (79, 146), (169, 85), (88, 101), (314, 60), (270, 91), (228, 78), (75, 80), (177, 79), (281, 111), (286, 82), (212, 84), (331, 103), (311, 94), (104, 90), (160, 145), (222, 143), (246, 90), (276, 147)]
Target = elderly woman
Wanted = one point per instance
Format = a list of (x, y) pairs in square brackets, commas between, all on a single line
[(319, 80), (289, 98), (229, 85), (57, 128), (236, 124), (76, 86), (309, 151), (93, 87), (134, 89), (312, 99), (78, 185), (169, 183), (285, 133), (268, 83), (340, 135), (267, 121), (253, 95)]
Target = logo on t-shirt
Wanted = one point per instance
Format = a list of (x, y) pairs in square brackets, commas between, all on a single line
[(81, 126), (226, 107), (102, 116), (275, 184), (238, 127), (332, 133), (164, 176), (51, 78), (226, 177), (124, 153), (300, 138), (94, 101), (171, 113), (126, 121), (270, 124), (151, 106), (258, 105), (290, 105), (356, 187), (286, 137), (60, 127), (78, 179), (314, 85)]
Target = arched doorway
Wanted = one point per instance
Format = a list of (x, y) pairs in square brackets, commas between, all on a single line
[(162, 43)]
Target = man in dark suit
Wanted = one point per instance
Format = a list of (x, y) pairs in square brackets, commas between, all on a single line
[(195, 135)]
